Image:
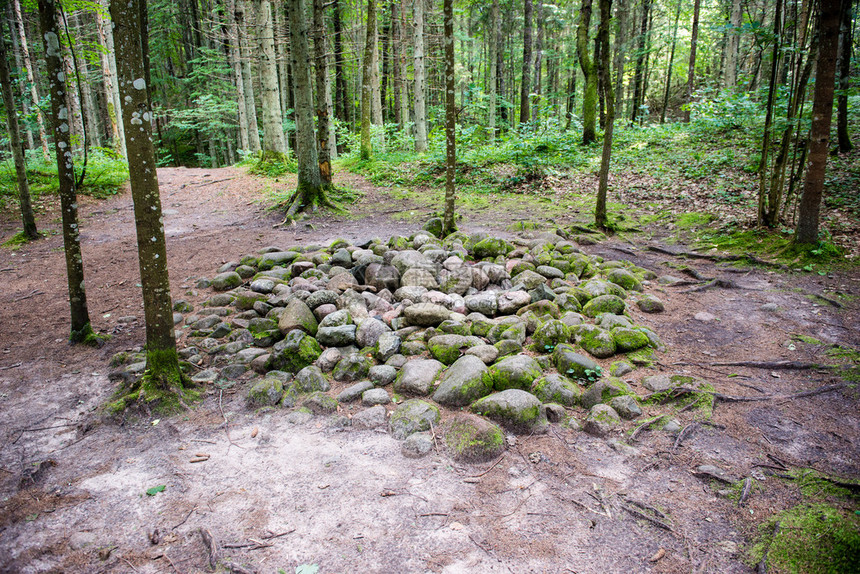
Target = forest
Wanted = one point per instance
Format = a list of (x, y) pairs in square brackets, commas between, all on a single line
[(417, 286)]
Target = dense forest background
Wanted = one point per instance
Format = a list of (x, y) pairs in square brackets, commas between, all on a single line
[(719, 92)]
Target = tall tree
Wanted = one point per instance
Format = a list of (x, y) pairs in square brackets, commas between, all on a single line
[(448, 224), (340, 107), (589, 70), (600, 219), (105, 32), (733, 38), (691, 71), (822, 114), (495, 39), (274, 143), (27, 218), (419, 75), (163, 378), (323, 94), (641, 54), (526, 85), (846, 30), (671, 63), (28, 65), (763, 196), (247, 78), (81, 330), (367, 81)]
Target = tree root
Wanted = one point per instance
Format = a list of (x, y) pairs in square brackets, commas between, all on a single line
[(722, 283), (774, 365), (679, 392), (718, 258)]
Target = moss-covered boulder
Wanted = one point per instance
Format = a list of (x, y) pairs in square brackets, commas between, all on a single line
[(601, 420), (604, 304), (464, 382), (353, 367), (320, 403), (226, 280), (414, 415), (603, 390), (514, 409), (448, 348), (295, 352), (277, 258), (555, 388), (573, 364), (265, 393), (417, 377), (549, 335), (297, 315), (311, 379), (473, 439), (264, 331), (245, 299), (529, 280), (626, 406), (625, 279), (629, 339), (491, 247), (596, 341), (426, 314), (516, 372), (650, 304)]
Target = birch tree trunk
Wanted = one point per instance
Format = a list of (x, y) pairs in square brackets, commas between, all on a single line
[(81, 331), (448, 224), (247, 78), (27, 219), (420, 79), (163, 376), (274, 144), (28, 65)]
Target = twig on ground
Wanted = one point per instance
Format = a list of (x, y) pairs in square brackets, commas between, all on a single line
[(171, 563), (498, 460), (211, 182), (833, 302), (211, 546), (745, 493), (15, 366), (184, 520), (130, 565), (761, 567), (686, 431), (651, 519), (32, 293)]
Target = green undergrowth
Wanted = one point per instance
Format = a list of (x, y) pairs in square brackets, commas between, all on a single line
[(843, 359), (270, 166), (106, 175)]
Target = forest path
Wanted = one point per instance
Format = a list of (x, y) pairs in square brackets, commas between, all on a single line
[(72, 488)]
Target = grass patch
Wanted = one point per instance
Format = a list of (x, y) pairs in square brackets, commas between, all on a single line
[(271, 166)]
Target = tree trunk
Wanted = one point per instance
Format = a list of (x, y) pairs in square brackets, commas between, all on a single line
[(589, 70), (639, 74), (494, 36), (526, 85), (671, 62), (81, 331), (733, 40), (386, 62), (282, 56), (321, 69), (600, 218), (538, 80), (162, 362), (28, 65), (367, 81), (448, 224), (691, 74), (339, 80), (768, 121), (274, 144), (620, 47), (310, 189), (247, 78), (847, 47), (231, 37), (404, 84), (105, 32), (418, 55), (376, 104), (822, 113), (396, 48), (19, 67), (27, 218)]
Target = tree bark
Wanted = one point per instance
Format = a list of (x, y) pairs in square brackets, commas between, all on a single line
[(589, 70), (691, 73), (847, 47), (600, 218), (247, 78), (231, 38), (28, 65), (27, 219), (321, 69), (538, 76), (733, 40), (105, 32), (367, 81), (763, 207), (19, 67), (822, 114), (526, 85), (419, 75), (81, 331), (274, 144), (162, 361), (495, 27), (376, 104), (639, 74), (620, 55), (671, 62), (448, 224), (339, 80)]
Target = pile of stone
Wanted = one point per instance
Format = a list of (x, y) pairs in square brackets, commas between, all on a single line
[(468, 336)]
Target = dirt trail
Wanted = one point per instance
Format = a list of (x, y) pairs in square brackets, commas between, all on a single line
[(276, 495)]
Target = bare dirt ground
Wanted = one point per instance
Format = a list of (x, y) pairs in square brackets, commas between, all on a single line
[(276, 495)]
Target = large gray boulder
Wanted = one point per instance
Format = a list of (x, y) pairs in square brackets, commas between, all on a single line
[(425, 314), (412, 416), (417, 376), (516, 372), (514, 409), (297, 315), (472, 439), (369, 331), (311, 379)]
